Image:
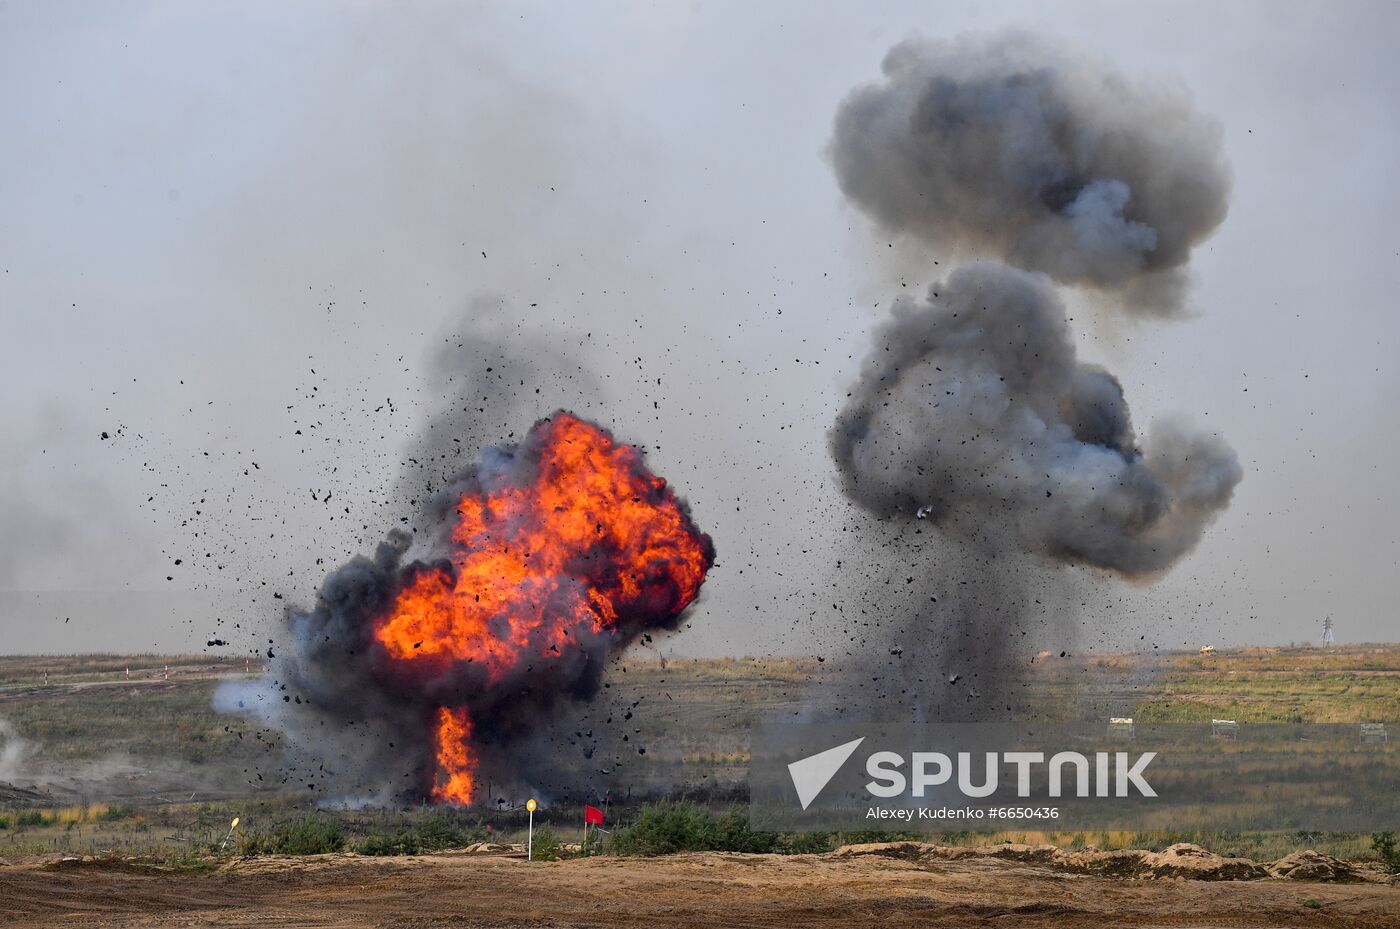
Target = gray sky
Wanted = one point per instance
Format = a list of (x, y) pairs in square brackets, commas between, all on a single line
[(223, 223)]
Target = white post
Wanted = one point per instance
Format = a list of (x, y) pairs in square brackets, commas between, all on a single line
[(530, 840)]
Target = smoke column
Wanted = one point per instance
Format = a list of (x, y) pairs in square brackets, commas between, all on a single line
[(973, 424)]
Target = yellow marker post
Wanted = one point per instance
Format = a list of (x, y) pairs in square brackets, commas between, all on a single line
[(530, 836), (231, 826)]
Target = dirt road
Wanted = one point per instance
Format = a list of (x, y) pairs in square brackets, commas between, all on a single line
[(695, 890)]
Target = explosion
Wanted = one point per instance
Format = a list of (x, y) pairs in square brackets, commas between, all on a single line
[(593, 545), (542, 560), (454, 758)]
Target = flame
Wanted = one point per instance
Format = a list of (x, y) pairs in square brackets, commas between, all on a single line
[(454, 757), (590, 544)]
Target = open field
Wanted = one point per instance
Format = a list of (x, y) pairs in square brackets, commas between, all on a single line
[(125, 754)]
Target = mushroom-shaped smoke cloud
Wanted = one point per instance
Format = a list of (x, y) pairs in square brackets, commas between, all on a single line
[(973, 410), (1007, 146)]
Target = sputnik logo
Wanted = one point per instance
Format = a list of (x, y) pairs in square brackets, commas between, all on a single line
[(810, 775), (814, 772)]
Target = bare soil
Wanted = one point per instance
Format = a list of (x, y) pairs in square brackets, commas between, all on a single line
[(691, 890)]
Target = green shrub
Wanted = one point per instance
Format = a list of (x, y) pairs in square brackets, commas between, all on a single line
[(33, 818), (248, 843), (446, 829), (546, 845), (312, 835), (730, 832), (115, 813), (1383, 844), (404, 842), (667, 828), (664, 829)]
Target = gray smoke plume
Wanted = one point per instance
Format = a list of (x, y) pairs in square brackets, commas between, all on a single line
[(975, 437), (974, 412), (12, 751), (490, 376), (1007, 146)]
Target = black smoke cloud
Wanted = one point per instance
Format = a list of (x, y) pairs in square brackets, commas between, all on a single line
[(972, 411), (359, 727), (1008, 146)]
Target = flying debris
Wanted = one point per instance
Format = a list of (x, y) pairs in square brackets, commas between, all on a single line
[(422, 667)]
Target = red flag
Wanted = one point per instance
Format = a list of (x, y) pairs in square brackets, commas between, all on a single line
[(592, 815)]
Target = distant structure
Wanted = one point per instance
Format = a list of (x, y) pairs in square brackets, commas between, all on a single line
[(1207, 649), (1121, 727), (1224, 729), (1374, 732), (1327, 637)]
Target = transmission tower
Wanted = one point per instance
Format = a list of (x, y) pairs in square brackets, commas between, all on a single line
[(1327, 637)]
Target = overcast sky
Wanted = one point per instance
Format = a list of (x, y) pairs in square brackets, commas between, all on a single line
[(233, 237)]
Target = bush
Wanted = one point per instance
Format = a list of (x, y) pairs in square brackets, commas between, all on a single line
[(731, 833), (114, 813), (404, 842), (667, 828), (664, 829), (33, 818), (312, 835), (445, 829), (1383, 843), (546, 845)]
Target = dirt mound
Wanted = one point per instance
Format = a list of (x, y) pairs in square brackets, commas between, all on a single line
[(1123, 862), (105, 863), (1314, 866), (489, 848), (1186, 861), (1195, 863), (910, 851), (1030, 854)]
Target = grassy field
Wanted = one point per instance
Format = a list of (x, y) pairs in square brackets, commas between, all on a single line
[(126, 753)]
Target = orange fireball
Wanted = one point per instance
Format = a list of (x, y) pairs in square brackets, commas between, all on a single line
[(587, 543)]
